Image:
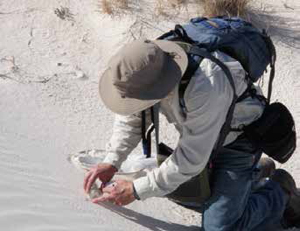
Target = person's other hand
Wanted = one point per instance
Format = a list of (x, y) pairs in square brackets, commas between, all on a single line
[(103, 172), (119, 192)]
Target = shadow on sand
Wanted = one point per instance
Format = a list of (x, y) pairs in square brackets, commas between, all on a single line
[(146, 221), (283, 29)]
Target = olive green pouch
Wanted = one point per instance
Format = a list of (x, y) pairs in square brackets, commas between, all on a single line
[(193, 192)]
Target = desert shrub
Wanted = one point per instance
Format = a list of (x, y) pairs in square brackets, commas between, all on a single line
[(225, 7)]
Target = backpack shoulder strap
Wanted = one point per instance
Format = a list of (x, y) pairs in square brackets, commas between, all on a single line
[(193, 65), (226, 128), (205, 54), (273, 57), (178, 34), (146, 135)]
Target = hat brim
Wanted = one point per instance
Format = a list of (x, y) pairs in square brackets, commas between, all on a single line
[(173, 69)]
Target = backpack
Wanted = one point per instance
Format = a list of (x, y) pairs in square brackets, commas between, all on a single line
[(233, 36)]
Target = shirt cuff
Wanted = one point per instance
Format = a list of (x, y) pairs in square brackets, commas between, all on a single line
[(144, 189), (113, 159), (136, 196)]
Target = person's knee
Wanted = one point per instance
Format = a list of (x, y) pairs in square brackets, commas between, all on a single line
[(221, 215)]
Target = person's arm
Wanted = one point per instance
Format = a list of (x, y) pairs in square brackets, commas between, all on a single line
[(207, 110), (126, 136)]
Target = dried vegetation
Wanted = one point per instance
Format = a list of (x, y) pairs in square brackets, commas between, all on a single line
[(110, 6), (210, 7), (225, 7)]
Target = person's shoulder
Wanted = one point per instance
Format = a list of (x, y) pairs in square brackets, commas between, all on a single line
[(209, 85), (230, 62), (198, 92)]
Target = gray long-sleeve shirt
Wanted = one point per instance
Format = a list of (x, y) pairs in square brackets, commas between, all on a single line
[(207, 98)]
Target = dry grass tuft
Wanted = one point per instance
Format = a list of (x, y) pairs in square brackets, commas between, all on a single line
[(106, 7), (214, 8), (211, 8), (111, 6)]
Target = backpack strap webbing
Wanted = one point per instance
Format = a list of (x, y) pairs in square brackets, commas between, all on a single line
[(146, 136), (178, 34), (193, 65), (273, 57), (145, 144)]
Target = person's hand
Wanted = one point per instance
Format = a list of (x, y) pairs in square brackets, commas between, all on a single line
[(119, 192), (103, 172)]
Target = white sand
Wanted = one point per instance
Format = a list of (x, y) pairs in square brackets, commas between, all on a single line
[(49, 108)]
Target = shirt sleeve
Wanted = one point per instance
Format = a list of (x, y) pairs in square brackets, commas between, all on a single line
[(207, 108), (125, 137)]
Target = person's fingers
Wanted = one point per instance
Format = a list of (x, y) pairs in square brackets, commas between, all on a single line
[(86, 179), (104, 198), (91, 181), (102, 186), (109, 188)]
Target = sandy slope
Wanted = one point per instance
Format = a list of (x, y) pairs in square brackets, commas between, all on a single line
[(49, 107)]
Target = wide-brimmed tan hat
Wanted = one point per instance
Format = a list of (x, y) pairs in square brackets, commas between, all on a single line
[(141, 74)]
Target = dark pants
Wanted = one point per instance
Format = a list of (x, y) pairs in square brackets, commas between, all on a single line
[(234, 206)]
